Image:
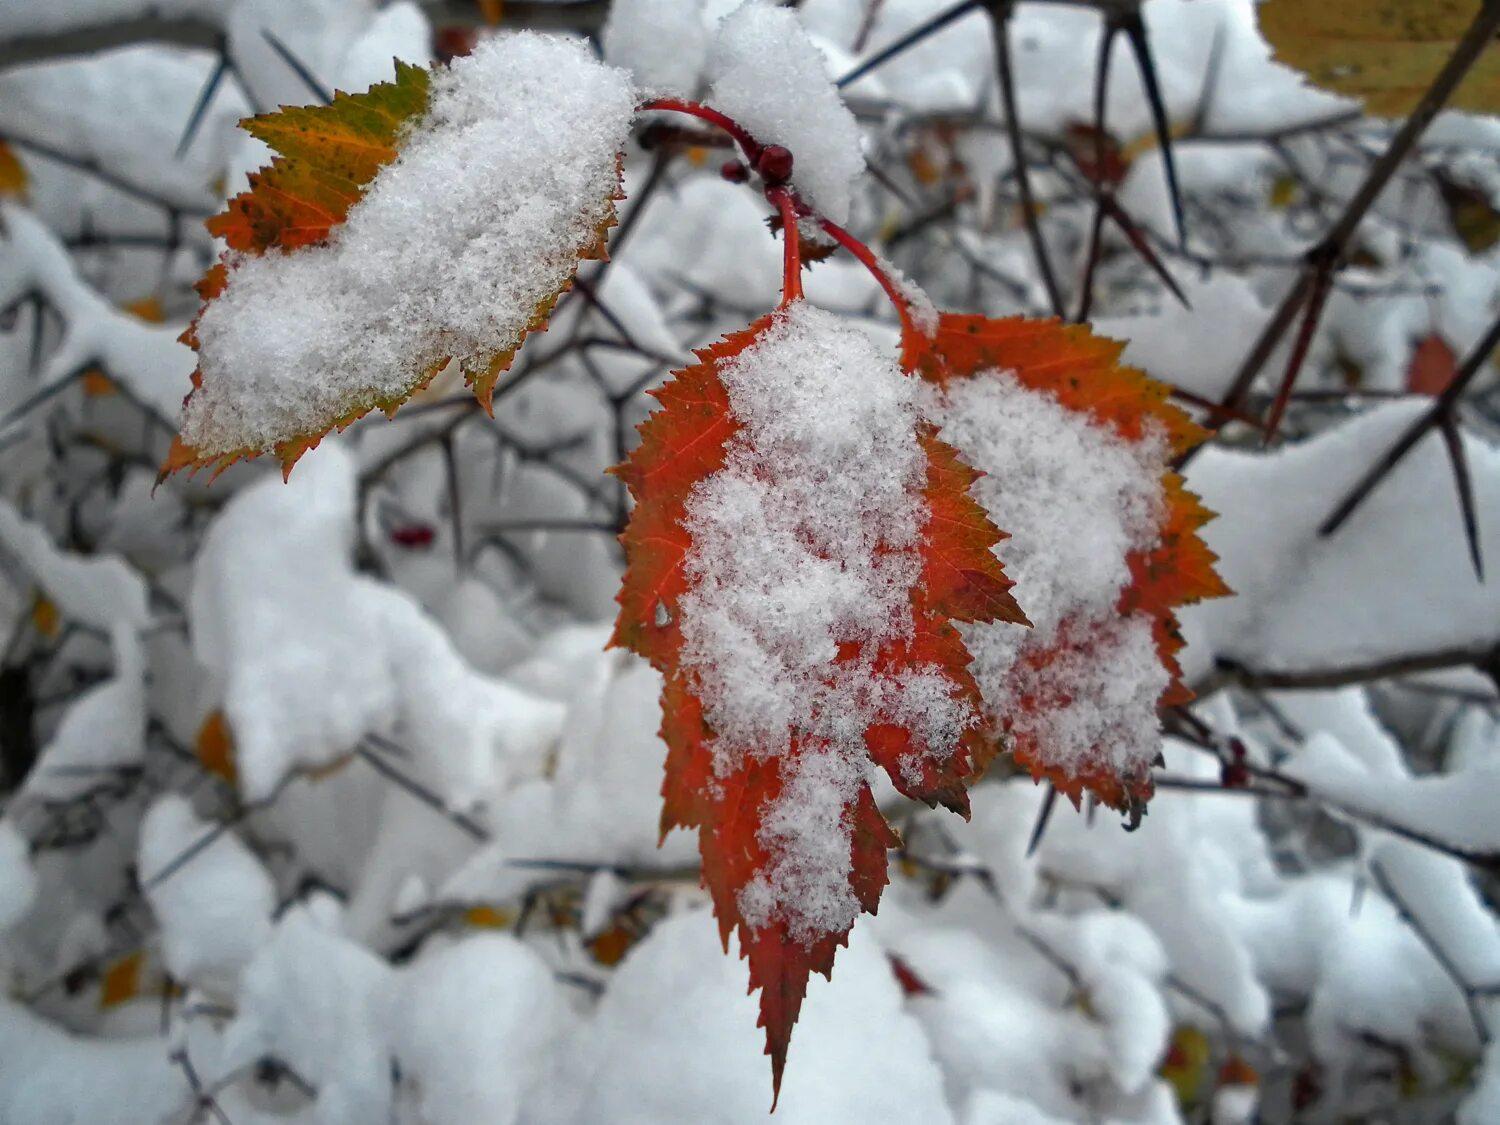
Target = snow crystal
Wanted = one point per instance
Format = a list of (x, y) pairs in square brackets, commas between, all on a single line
[(664, 43), (793, 556), (450, 252), (1076, 499), (215, 910), (768, 76)]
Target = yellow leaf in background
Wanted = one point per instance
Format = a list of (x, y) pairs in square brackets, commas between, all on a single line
[(1475, 221), (149, 309), (12, 174), (214, 747), (122, 980), (96, 384), (1284, 191), (1185, 1067), (492, 11), (1384, 51), (45, 615), (489, 917), (609, 947)]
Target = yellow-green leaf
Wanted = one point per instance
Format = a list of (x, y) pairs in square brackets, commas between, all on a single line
[(1386, 52)]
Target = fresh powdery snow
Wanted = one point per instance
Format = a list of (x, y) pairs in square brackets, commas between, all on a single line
[(514, 165), (770, 78), (794, 555), (1075, 499)]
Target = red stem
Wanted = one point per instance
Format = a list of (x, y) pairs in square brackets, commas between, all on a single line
[(872, 263), (788, 204), (791, 240), (747, 143)]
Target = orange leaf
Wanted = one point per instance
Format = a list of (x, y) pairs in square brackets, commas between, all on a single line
[(214, 747), (328, 159), (122, 980), (1432, 366), (732, 799), (45, 615), (12, 173), (1081, 373), (96, 384)]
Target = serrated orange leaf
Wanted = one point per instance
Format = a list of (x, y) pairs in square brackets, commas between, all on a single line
[(1081, 373), (733, 800), (328, 161), (1384, 51)]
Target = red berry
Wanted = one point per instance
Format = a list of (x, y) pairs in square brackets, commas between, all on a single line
[(774, 164), (734, 171), (413, 535)]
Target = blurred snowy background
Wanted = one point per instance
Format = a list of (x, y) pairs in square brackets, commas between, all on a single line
[(323, 803)]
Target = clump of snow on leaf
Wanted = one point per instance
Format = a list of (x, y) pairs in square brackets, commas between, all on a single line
[(453, 251), (800, 571), (1076, 499), (770, 78)]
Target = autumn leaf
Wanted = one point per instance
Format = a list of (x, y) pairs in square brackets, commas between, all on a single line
[(1473, 217), (12, 174), (1073, 423), (754, 585), (337, 296), (214, 747), (1432, 366), (1384, 51)]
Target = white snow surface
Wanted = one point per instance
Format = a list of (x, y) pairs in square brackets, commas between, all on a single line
[(214, 911), (18, 881), (101, 592), (675, 1040), (535, 124), (102, 732), (1395, 580), (311, 657), (769, 77)]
